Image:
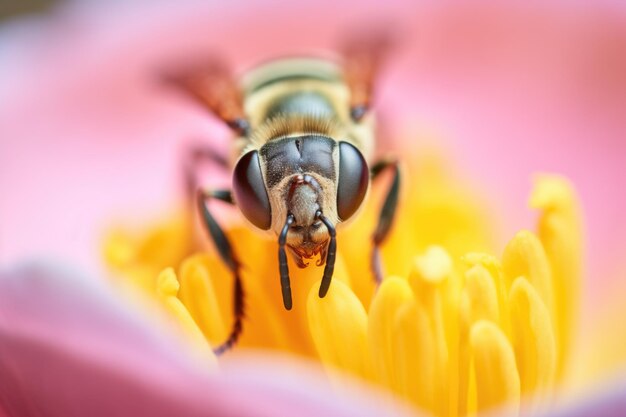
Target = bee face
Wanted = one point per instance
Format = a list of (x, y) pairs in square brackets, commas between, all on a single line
[(305, 199), (303, 176)]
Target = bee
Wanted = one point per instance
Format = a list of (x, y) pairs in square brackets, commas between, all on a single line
[(303, 146)]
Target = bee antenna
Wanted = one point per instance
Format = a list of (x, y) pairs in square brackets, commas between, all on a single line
[(330, 258), (282, 263)]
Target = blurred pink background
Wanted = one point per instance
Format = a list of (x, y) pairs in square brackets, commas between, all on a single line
[(88, 137)]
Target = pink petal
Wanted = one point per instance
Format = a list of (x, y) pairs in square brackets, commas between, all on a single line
[(610, 401), (69, 348)]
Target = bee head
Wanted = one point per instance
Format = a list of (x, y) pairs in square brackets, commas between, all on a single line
[(302, 177)]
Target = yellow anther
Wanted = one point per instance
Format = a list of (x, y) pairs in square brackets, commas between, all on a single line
[(167, 284), (559, 229), (533, 340), (120, 249), (393, 293), (479, 299), (198, 295), (433, 267), (427, 277), (497, 380), (493, 265), (524, 256), (338, 324), (416, 360), (167, 290)]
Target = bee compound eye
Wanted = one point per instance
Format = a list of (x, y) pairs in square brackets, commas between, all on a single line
[(353, 180), (250, 192)]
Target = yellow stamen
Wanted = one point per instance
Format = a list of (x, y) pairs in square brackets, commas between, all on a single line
[(493, 265), (414, 351), (198, 295), (559, 229), (431, 268), (393, 293), (480, 296), (497, 380), (140, 257), (167, 290), (338, 324), (427, 277), (533, 340), (524, 256), (479, 301)]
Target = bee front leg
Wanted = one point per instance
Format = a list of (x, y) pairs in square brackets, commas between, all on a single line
[(197, 155), (386, 216), (225, 250)]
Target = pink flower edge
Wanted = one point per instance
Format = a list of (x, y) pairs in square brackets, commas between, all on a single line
[(70, 347)]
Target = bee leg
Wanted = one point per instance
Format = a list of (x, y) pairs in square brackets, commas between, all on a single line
[(363, 56), (197, 155), (228, 256), (386, 216), (214, 86)]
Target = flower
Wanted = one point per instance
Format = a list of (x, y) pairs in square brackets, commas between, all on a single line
[(520, 87), (454, 329)]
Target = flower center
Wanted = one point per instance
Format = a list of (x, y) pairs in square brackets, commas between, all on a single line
[(452, 328)]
